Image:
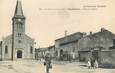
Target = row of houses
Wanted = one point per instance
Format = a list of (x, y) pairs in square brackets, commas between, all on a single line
[(80, 46)]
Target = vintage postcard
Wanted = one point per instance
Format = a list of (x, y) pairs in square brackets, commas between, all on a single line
[(57, 36)]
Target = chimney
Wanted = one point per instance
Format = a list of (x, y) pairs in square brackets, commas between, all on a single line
[(65, 33), (84, 34), (102, 29), (90, 33), (66, 39)]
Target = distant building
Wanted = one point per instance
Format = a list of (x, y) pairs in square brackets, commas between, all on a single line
[(23, 45), (67, 47), (40, 53), (52, 51)]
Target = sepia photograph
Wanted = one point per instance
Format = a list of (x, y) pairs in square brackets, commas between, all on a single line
[(57, 36)]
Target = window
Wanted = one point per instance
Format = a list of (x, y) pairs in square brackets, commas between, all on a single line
[(6, 49), (19, 41), (19, 25), (56, 53), (113, 42), (31, 50), (19, 34), (73, 49)]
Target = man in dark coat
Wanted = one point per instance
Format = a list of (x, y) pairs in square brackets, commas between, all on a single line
[(92, 61), (47, 62)]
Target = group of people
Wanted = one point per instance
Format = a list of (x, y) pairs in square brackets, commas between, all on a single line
[(92, 63)]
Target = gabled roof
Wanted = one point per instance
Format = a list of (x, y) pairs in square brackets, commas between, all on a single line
[(8, 39), (68, 36), (72, 38)]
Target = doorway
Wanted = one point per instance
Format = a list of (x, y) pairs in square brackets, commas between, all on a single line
[(95, 54), (61, 54), (19, 54)]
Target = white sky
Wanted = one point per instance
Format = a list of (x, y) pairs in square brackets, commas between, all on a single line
[(47, 25)]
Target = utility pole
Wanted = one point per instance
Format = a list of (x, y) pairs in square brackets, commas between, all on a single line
[(12, 53), (65, 33), (66, 39)]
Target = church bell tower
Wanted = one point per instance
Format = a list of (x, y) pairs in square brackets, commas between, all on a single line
[(18, 28), (18, 20)]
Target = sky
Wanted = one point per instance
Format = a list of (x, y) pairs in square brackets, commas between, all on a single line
[(46, 20)]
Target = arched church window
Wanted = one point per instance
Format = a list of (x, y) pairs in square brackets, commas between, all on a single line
[(19, 25), (31, 50), (6, 49)]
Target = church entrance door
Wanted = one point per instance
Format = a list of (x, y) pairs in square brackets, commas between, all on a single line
[(19, 54)]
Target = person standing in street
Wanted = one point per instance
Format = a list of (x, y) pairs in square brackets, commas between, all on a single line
[(47, 62), (89, 63), (92, 61), (96, 64)]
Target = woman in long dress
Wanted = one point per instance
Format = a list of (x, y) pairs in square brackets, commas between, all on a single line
[(96, 65), (89, 63)]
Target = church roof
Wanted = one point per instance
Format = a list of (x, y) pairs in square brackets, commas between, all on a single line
[(8, 39), (72, 38), (18, 10)]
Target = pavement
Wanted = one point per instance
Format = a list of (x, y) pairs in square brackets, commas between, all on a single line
[(33, 66)]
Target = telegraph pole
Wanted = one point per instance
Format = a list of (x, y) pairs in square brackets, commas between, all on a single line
[(12, 53), (65, 33)]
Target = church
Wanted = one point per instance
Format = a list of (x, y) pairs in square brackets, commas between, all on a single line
[(18, 45)]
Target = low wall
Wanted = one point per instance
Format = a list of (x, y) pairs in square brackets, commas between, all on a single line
[(107, 58)]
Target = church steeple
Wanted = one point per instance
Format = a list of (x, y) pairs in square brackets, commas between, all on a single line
[(18, 19), (18, 10)]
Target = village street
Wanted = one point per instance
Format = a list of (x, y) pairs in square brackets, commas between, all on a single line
[(24, 66)]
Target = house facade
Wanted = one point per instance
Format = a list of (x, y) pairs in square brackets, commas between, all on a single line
[(67, 47)]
